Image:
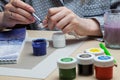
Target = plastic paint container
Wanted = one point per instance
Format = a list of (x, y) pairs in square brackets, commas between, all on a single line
[(67, 68), (58, 40), (95, 51), (103, 67), (39, 47), (85, 64)]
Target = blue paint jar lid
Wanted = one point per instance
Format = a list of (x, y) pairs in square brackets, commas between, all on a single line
[(103, 61), (85, 58), (67, 62)]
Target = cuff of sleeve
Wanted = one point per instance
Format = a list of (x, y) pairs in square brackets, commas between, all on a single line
[(100, 20)]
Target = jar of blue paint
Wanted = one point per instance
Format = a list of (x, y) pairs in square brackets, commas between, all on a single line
[(39, 47)]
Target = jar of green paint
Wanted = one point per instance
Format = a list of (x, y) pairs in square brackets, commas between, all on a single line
[(67, 68)]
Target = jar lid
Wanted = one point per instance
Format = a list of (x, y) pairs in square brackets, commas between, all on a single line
[(66, 62), (103, 61), (58, 36), (95, 51), (85, 58)]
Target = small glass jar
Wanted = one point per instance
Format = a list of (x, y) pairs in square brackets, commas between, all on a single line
[(67, 68), (59, 40), (104, 67), (95, 51), (112, 28), (85, 64)]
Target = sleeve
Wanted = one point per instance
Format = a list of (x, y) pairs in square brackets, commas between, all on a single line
[(114, 4)]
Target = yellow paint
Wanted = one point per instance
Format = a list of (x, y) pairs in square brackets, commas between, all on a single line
[(95, 50)]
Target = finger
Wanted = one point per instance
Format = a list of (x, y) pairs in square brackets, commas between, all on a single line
[(22, 5), (55, 18), (53, 11), (45, 21), (68, 28), (18, 17), (51, 24), (64, 21), (19, 11), (58, 16), (71, 26), (13, 23)]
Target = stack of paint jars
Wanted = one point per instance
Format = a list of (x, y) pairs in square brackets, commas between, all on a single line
[(86, 64)]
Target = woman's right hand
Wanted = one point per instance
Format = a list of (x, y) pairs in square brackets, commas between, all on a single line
[(17, 12)]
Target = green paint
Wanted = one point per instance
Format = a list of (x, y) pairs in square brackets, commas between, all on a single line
[(66, 59), (67, 74)]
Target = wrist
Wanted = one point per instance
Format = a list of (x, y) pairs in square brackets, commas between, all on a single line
[(88, 27), (94, 27)]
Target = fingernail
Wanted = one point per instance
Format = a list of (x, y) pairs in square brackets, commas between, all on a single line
[(45, 22), (31, 9)]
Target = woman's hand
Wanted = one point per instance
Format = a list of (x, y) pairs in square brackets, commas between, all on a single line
[(67, 21), (17, 12)]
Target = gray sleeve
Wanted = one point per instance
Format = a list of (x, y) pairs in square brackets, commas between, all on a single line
[(100, 19)]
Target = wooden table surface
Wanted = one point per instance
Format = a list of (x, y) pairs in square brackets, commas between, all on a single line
[(85, 45)]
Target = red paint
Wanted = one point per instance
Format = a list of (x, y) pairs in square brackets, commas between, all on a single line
[(104, 73)]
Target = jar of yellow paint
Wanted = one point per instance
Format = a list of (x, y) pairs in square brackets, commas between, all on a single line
[(95, 51)]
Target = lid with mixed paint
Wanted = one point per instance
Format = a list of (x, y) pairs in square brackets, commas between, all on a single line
[(85, 58), (67, 63), (95, 51), (104, 61)]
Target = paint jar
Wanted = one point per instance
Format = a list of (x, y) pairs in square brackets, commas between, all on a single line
[(67, 68), (39, 47), (58, 40), (95, 51), (104, 67), (85, 64)]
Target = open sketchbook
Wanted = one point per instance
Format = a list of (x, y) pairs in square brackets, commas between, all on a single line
[(11, 45)]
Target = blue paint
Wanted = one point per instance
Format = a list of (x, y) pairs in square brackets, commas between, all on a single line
[(104, 57), (39, 47)]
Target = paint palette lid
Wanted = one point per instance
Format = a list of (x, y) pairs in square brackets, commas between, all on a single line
[(67, 62), (104, 61), (85, 58), (95, 51)]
